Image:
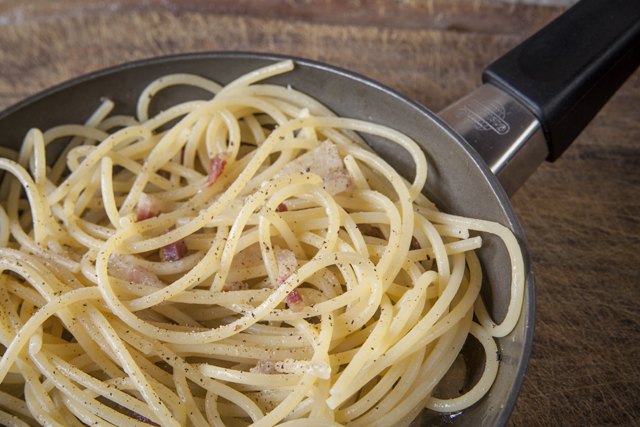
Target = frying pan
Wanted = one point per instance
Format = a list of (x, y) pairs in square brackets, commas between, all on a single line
[(534, 102)]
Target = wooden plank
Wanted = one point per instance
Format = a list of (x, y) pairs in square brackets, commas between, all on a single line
[(486, 16)]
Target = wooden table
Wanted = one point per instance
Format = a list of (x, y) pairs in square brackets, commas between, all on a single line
[(581, 213)]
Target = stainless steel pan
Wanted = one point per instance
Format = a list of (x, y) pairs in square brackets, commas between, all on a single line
[(534, 102)]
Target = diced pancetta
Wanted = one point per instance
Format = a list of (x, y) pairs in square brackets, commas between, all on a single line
[(216, 167), (287, 263), (326, 162), (294, 301), (125, 267), (174, 251), (337, 182), (148, 206)]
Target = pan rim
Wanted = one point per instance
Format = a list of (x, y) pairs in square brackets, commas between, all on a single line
[(503, 200)]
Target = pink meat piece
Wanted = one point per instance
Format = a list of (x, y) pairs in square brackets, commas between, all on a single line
[(326, 162), (287, 264), (216, 167), (148, 206), (125, 267), (295, 301), (174, 251)]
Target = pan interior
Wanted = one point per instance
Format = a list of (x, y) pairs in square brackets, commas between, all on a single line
[(457, 181)]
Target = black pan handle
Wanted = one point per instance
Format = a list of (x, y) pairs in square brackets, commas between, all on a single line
[(566, 72)]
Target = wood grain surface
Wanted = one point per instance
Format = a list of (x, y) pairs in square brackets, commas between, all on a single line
[(581, 213)]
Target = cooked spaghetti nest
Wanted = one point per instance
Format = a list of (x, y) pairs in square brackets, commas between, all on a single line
[(245, 259)]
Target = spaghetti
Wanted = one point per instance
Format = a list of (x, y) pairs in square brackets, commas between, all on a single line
[(239, 260)]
